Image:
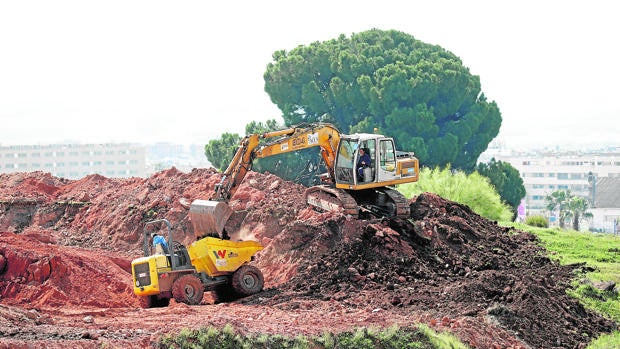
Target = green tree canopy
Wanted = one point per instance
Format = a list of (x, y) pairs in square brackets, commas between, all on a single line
[(418, 93), (506, 180)]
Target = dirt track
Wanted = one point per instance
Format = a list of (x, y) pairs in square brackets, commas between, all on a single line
[(65, 249)]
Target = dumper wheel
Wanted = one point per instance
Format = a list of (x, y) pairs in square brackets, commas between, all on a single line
[(147, 301), (188, 289), (247, 280)]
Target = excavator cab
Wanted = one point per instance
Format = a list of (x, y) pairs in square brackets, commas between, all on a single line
[(384, 168)]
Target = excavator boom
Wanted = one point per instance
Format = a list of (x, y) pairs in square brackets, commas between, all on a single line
[(321, 135)]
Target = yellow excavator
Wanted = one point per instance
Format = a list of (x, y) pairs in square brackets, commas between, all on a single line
[(360, 192)]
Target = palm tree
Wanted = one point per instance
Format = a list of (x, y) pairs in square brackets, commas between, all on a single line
[(577, 206), (559, 200)]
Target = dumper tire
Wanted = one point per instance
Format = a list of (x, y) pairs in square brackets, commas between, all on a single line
[(147, 301), (247, 280), (188, 289)]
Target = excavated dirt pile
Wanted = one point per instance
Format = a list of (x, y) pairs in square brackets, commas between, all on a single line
[(66, 247)]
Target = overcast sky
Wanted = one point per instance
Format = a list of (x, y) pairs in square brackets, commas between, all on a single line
[(187, 71)]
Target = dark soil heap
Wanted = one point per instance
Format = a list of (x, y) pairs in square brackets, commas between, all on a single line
[(471, 269)]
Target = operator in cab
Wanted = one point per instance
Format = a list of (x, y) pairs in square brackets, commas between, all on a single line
[(160, 244), (363, 162)]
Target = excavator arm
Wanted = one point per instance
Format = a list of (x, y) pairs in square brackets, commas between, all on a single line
[(210, 216), (322, 135)]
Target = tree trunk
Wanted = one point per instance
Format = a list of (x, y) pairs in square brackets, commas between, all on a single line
[(576, 222)]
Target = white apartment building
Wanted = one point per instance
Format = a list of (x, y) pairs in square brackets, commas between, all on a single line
[(74, 161), (545, 172)]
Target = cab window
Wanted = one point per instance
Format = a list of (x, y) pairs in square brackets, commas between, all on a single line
[(387, 158)]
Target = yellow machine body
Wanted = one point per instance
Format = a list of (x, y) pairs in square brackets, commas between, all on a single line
[(150, 275), (221, 257)]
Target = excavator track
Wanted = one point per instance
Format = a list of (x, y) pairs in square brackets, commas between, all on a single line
[(327, 198), (401, 203)]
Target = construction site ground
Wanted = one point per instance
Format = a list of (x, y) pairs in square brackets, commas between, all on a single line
[(66, 248)]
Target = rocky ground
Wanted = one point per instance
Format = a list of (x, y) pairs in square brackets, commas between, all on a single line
[(66, 248)]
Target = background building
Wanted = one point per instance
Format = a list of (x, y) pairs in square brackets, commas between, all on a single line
[(74, 161), (544, 172)]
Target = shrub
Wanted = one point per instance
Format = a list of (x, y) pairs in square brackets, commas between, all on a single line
[(473, 190), (537, 221)]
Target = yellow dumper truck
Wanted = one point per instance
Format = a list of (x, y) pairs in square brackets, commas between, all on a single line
[(208, 264)]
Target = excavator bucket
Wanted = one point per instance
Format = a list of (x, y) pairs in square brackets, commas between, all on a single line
[(209, 217)]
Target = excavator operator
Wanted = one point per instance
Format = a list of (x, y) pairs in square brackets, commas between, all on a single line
[(363, 162)]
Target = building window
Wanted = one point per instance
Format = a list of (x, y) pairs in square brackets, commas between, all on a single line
[(562, 175)]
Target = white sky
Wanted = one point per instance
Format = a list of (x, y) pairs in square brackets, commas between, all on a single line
[(187, 71)]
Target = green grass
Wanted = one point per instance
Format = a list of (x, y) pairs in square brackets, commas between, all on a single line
[(600, 252), (420, 337)]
